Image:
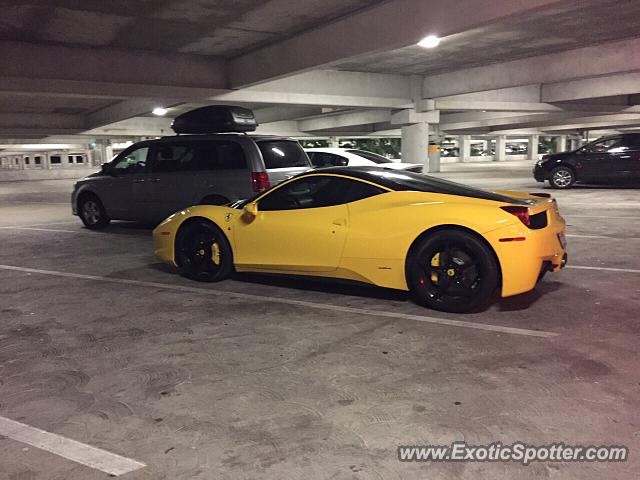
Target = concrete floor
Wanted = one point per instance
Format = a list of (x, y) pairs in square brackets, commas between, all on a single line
[(200, 384)]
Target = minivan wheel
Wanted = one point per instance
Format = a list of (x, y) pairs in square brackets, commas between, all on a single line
[(452, 271), (92, 212), (203, 252), (562, 177)]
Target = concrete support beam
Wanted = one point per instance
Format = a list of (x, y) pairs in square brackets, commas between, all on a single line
[(410, 116), (350, 36), (334, 142), (415, 145), (533, 147), (464, 147), (603, 86), (37, 61), (615, 57), (284, 112), (501, 148), (341, 120)]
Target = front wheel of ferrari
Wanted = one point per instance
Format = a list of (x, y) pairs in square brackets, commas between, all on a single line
[(203, 252), (453, 271)]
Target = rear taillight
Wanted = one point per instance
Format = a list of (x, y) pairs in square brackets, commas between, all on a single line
[(259, 181), (521, 212)]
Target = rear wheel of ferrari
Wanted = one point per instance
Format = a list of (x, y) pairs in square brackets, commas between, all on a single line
[(203, 252), (562, 177), (452, 271)]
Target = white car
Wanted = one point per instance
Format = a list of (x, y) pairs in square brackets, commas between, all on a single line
[(352, 157)]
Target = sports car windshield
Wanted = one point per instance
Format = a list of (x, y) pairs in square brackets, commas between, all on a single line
[(424, 183)]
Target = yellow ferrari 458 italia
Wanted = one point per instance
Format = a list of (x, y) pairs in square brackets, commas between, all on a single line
[(451, 245)]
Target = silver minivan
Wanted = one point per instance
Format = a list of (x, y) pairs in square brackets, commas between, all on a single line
[(152, 179)]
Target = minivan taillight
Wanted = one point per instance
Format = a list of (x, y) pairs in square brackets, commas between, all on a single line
[(521, 212), (259, 181)]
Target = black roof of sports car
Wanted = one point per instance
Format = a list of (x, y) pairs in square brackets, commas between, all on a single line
[(400, 180)]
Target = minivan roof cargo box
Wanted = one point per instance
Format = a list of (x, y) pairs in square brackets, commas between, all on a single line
[(215, 119)]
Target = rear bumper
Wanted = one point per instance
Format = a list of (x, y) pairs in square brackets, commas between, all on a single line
[(524, 262)]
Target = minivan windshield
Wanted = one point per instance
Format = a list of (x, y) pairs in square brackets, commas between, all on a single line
[(283, 154)]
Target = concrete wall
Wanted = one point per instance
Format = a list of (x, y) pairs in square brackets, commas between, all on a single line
[(42, 174)]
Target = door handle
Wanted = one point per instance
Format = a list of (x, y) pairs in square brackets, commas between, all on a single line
[(138, 180), (341, 222)]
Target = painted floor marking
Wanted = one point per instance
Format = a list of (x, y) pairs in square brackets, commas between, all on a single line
[(78, 452), (598, 216), (605, 269), (38, 229), (302, 303)]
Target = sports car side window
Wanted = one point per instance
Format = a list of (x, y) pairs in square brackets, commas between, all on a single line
[(360, 191), (317, 191)]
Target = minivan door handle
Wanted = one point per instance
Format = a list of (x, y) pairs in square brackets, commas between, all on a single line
[(138, 180)]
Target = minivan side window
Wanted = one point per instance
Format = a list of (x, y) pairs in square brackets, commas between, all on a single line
[(282, 154), (134, 161), (220, 155), (172, 157), (198, 156), (315, 192)]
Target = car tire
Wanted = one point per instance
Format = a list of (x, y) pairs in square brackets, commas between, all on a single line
[(92, 212), (453, 271), (203, 252), (562, 177), (214, 200)]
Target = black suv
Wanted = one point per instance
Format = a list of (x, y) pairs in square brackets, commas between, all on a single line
[(613, 158)]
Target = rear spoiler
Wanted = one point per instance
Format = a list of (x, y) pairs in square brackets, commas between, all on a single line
[(540, 201)]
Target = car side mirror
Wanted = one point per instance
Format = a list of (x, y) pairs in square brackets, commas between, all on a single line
[(250, 211), (106, 168)]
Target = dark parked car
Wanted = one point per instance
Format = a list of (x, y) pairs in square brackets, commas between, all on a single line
[(609, 159)]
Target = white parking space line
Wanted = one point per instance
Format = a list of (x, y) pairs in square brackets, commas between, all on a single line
[(604, 269), (287, 301), (82, 453), (38, 229), (607, 237), (598, 216), (50, 224)]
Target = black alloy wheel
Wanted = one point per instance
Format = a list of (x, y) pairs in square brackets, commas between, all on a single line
[(453, 271), (203, 252)]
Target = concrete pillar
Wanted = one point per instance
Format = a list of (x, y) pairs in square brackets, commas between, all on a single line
[(415, 146), (464, 147), (334, 142), (533, 146), (561, 143), (501, 148), (104, 152)]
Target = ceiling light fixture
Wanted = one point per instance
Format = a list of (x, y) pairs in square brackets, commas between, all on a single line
[(159, 111), (429, 42)]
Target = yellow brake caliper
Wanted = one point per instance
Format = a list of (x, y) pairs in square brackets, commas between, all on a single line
[(215, 253), (435, 262)]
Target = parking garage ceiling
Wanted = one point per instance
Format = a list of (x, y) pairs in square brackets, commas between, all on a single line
[(563, 27), (223, 28), (96, 67)]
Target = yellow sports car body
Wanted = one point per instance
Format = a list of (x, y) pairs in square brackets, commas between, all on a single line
[(451, 245)]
